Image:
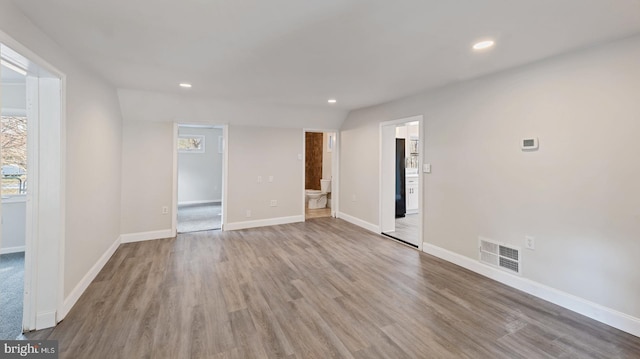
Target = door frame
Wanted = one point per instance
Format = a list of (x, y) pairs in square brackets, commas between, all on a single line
[(43, 296), (225, 171), (383, 212), (335, 166)]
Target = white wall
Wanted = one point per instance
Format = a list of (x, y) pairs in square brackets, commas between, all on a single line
[(147, 176), (13, 224), (578, 195), (326, 156), (93, 150), (263, 151), (14, 99), (152, 107), (200, 174)]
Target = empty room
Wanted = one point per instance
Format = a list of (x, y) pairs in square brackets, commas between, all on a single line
[(320, 179)]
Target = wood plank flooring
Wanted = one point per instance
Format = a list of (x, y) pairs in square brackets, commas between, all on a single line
[(407, 228), (320, 289), (317, 212)]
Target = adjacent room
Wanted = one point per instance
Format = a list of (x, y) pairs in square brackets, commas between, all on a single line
[(13, 188), (326, 179), (319, 159), (200, 173)]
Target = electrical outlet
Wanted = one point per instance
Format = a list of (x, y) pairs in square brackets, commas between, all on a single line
[(274, 203), (530, 242), (259, 179), (270, 179), (248, 213), (165, 210)]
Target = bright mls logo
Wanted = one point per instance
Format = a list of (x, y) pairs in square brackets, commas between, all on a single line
[(44, 349)]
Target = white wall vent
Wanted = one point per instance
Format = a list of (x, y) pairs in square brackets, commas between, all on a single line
[(500, 255)]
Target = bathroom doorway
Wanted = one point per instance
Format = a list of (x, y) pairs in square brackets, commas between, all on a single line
[(200, 167), (320, 166), (401, 181)]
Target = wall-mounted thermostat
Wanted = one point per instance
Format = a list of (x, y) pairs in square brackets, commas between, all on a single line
[(528, 144)]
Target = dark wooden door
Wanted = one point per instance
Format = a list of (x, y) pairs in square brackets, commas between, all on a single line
[(313, 159)]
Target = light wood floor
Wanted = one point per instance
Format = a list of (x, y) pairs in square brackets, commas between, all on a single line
[(319, 289), (407, 228), (317, 212)]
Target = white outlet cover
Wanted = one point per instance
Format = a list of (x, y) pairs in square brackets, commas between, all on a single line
[(530, 242)]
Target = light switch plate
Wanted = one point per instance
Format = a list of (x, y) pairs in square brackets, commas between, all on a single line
[(426, 168)]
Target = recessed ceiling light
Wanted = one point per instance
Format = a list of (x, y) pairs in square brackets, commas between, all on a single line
[(333, 100), (483, 45), (185, 85)]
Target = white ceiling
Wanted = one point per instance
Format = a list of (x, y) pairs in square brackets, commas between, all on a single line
[(302, 52)]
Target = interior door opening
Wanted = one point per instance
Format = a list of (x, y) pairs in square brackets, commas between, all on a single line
[(400, 158), (13, 188), (200, 178), (31, 184), (319, 172)]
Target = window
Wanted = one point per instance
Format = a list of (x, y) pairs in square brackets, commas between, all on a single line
[(13, 164), (191, 144)]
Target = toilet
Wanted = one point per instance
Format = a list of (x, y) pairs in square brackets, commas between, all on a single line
[(318, 198)]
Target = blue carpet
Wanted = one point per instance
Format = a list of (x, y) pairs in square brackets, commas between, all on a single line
[(11, 295)]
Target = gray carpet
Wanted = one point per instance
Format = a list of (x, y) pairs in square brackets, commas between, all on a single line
[(199, 217), (11, 295)]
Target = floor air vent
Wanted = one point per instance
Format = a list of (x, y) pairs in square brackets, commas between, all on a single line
[(500, 255)]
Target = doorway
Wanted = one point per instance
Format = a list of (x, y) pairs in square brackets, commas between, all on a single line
[(320, 167), (31, 185), (13, 188), (200, 169), (401, 181)]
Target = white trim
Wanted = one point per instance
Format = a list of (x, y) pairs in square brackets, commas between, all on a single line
[(146, 236), (45, 320), (576, 304), (359, 222), (75, 294), (174, 181), (263, 222), (225, 175), (185, 203), (9, 250)]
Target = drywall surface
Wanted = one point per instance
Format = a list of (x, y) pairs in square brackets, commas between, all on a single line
[(326, 155), (147, 176), (14, 223), (200, 173), (151, 106), (265, 152), (93, 150), (14, 99), (577, 194)]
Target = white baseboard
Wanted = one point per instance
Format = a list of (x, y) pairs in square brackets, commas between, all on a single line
[(12, 250), (75, 294), (199, 202), (262, 223), (579, 305), (146, 236), (45, 320), (360, 223)]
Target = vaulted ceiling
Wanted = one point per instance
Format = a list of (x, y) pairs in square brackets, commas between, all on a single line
[(303, 52)]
